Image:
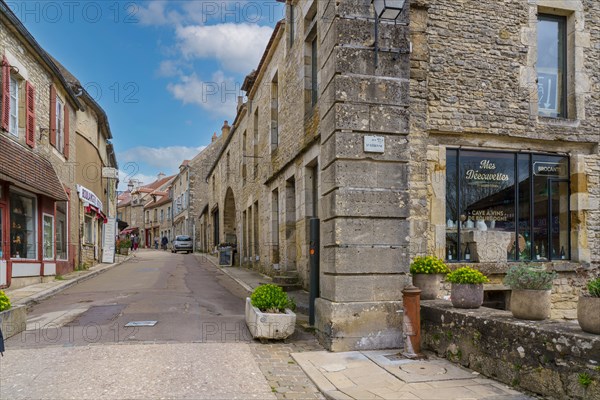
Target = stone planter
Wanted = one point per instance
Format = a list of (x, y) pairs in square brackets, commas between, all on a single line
[(13, 321), (429, 285), (532, 305), (124, 251), (466, 295), (269, 326), (588, 314)]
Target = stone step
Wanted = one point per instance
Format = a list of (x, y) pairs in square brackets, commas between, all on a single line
[(285, 279), (289, 287)]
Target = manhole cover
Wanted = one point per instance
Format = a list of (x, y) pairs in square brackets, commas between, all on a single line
[(141, 323), (423, 368)]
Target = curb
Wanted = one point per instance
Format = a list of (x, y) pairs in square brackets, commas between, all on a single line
[(35, 298), (224, 270)]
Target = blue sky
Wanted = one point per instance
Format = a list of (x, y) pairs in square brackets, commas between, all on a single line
[(167, 73)]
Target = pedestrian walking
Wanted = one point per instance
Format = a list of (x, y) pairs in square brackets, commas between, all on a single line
[(164, 242), (132, 240), (156, 243), (136, 242)]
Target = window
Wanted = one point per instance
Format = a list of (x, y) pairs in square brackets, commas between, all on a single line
[(48, 247), (88, 229), (60, 133), (311, 58), (313, 73), (291, 24), (13, 126), (522, 198), (23, 232), (168, 213), (552, 66), (274, 113), (255, 144), (162, 215), (61, 230)]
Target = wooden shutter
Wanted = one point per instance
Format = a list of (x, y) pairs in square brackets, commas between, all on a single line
[(66, 117), (5, 111), (52, 115), (30, 115)]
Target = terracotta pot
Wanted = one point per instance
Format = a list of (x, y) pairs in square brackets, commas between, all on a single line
[(588, 314), (429, 285), (530, 304), (466, 295)]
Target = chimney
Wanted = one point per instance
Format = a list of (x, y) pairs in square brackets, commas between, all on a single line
[(225, 129), (214, 137), (161, 175), (240, 103)]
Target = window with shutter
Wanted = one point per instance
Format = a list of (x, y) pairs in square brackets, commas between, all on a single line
[(52, 115), (66, 130), (13, 119), (5, 94), (60, 134), (30, 116)]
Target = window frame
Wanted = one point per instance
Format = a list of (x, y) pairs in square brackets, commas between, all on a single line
[(60, 132), (14, 102), (53, 237), (516, 206), (563, 85), (34, 217), (66, 233)]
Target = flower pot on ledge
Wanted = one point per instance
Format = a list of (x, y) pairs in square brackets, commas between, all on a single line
[(429, 285), (466, 295), (588, 314), (269, 325)]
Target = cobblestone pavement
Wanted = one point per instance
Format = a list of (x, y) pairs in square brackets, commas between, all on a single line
[(284, 375)]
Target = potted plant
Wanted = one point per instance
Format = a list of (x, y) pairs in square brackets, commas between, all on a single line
[(531, 288), (467, 287), (427, 273), (588, 308), (124, 246), (269, 313)]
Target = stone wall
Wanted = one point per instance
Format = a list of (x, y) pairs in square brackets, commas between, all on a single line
[(544, 357)]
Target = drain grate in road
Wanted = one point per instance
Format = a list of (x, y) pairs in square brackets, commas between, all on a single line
[(141, 323)]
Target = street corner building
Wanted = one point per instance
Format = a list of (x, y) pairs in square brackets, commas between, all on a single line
[(467, 132), (57, 166)]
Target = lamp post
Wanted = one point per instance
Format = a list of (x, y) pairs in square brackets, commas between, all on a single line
[(130, 186)]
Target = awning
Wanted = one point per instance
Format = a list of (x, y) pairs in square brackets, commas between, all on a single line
[(128, 231), (25, 168)]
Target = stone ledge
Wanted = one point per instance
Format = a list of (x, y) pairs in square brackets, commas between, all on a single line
[(543, 357), (13, 321)]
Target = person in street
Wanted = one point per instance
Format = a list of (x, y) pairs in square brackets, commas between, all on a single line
[(164, 242), (132, 239), (156, 243), (136, 242)]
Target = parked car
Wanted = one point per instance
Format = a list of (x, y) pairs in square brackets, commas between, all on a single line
[(182, 243)]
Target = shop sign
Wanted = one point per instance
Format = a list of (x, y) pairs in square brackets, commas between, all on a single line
[(374, 144), (108, 172), (486, 172), (549, 169), (89, 197)]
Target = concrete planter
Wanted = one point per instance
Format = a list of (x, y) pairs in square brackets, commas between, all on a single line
[(13, 321), (532, 305), (588, 314), (466, 295), (429, 285), (269, 326)]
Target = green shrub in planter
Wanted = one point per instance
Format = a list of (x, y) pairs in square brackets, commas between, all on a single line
[(125, 244), (527, 277), (466, 275), (271, 299), (4, 301), (594, 287), (428, 265)]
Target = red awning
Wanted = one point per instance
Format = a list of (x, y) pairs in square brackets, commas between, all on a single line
[(128, 231)]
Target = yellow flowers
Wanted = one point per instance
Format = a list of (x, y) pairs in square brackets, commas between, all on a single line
[(428, 265)]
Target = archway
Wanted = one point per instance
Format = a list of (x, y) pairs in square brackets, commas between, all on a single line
[(229, 231)]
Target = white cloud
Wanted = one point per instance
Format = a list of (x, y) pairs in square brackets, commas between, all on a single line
[(237, 47), (164, 159), (168, 69), (217, 95), (125, 177), (156, 13)]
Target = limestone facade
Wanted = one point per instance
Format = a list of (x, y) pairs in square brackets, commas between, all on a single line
[(361, 139)]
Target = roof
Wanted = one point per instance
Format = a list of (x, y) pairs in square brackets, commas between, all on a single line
[(124, 199), (28, 169), (162, 201), (16, 24)]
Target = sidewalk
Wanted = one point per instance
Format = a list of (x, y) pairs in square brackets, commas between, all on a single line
[(31, 294), (382, 374)]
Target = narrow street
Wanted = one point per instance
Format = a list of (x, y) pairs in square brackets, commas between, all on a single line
[(77, 344)]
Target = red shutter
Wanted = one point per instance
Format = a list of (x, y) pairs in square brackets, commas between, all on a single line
[(5, 111), (52, 115), (30, 115), (66, 117)]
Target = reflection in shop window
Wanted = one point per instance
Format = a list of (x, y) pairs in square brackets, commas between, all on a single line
[(521, 199), (22, 226), (48, 242)]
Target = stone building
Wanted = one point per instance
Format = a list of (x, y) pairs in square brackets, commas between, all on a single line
[(180, 189), (469, 133)]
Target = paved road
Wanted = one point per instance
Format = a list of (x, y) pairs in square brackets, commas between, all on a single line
[(77, 344)]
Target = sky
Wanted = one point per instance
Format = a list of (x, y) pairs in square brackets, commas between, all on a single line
[(167, 73)]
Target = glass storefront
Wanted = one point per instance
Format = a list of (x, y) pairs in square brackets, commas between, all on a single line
[(23, 231), (61, 230), (525, 196)]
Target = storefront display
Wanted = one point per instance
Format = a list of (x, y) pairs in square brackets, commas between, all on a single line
[(506, 206), (23, 230)]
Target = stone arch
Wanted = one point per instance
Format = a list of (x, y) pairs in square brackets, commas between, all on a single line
[(229, 217)]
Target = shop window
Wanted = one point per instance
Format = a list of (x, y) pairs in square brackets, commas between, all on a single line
[(61, 230), (522, 198), (88, 229), (552, 66), (48, 239), (23, 231)]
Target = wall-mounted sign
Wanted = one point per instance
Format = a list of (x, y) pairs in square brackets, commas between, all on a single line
[(486, 172), (374, 144), (108, 172), (549, 169), (89, 197)]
